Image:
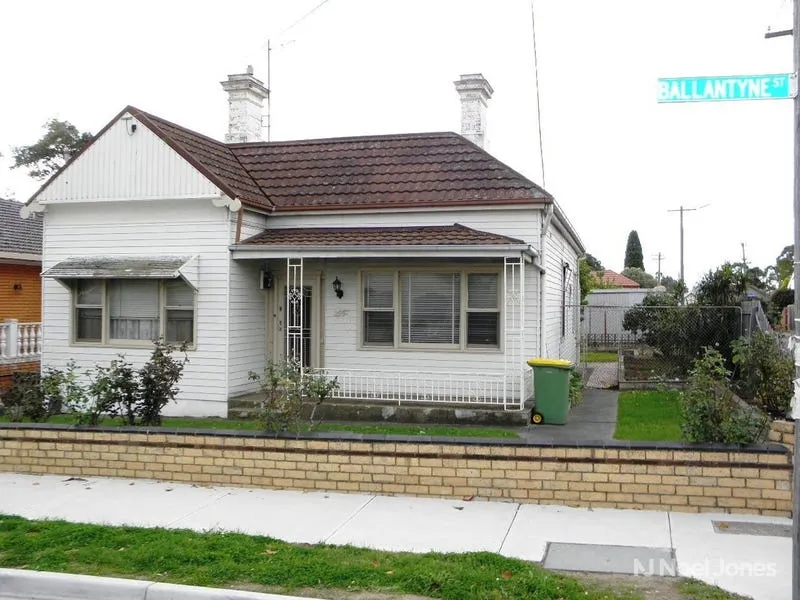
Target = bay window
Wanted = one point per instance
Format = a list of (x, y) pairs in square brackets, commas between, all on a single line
[(444, 309), (133, 311)]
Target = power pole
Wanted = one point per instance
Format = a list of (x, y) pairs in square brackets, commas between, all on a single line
[(795, 33), (683, 210), (659, 257), (744, 256), (796, 470)]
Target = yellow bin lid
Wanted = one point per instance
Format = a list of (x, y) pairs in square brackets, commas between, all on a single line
[(550, 362)]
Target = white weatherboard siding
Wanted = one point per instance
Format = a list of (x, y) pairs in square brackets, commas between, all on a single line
[(342, 318), (180, 227), (558, 252), (520, 223), (247, 341), (127, 166)]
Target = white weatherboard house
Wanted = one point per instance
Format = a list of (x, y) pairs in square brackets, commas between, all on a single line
[(416, 268)]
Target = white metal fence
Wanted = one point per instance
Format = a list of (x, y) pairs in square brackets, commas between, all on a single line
[(20, 340), (496, 389)]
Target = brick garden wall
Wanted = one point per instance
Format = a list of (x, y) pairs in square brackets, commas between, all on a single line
[(782, 432), (752, 480)]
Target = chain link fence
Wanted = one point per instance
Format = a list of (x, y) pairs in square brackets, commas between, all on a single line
[(653, 345)]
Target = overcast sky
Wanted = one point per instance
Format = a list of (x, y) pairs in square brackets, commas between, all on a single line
[(614, 158)]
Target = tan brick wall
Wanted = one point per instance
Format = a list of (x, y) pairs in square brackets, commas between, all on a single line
[(682, 480), (782, 432)]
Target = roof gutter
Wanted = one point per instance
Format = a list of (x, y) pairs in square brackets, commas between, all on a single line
[(21, 257), (344, 251)]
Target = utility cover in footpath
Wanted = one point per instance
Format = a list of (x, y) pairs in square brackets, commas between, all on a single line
[(716, 89)]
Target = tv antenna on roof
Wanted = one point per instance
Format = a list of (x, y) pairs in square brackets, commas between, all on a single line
[(269, 60)]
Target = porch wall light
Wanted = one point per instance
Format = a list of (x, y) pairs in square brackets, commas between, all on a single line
[(266, 279), (337, 288)]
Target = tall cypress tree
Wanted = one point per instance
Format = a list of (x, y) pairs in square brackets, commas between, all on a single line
[(633, 252)]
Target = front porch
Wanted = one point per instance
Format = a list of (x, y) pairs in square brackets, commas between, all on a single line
[(20, 349), (400, 324)]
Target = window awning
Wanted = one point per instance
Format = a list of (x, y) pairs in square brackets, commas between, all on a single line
[(126, 267)]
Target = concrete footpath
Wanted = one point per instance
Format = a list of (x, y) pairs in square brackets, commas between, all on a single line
[(745, 554)]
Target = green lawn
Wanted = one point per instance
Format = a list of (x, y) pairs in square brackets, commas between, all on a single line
[(649, 416), (234, 560), (383, 428), (599, 357), (230, 560)]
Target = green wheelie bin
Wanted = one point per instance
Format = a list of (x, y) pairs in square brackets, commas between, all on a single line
[(550, 390)]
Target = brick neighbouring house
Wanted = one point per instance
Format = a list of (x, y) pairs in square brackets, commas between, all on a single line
[(20, 290)]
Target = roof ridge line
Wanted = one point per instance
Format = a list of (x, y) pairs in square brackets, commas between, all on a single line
[(421, 134)]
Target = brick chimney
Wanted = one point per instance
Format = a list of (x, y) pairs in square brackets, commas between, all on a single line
[(245, 106), (475, 93)]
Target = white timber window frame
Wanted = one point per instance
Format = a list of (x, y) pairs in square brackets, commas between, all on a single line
[(460, 335), (165, 314)]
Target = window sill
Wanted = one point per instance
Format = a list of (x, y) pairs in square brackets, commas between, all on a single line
[(430, 348), (124, 345)]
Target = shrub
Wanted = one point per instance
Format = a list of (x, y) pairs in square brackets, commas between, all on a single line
[(282, 390), (710, 412), (318, 389), (575, 388), (158, 381), (285, 387), (24, 399), (765, 373), (63, 389)]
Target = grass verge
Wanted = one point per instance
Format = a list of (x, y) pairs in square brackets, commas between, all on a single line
[(649, 416), (228, 559), (600, 357), (383, 428)]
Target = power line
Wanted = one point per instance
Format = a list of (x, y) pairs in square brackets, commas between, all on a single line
[(269, 62), (303, 18), (538, 104)]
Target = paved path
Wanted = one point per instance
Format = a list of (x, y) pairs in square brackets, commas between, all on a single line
[(593, 420), (756, 565), (603, 375)]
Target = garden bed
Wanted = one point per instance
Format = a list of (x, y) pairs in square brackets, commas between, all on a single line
[(254, 425)]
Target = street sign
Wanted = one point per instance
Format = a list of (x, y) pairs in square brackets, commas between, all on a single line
[(729, 87)]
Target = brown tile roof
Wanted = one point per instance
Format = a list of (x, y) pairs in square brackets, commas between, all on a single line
[(447, 235), (18, 235), (613, 279), (387, 171), (426, 169)]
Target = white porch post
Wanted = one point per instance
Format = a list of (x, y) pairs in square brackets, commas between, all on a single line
[(12, 338), (294, 310), (513, 331)]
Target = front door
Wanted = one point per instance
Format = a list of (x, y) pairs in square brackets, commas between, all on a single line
[(297, 339)]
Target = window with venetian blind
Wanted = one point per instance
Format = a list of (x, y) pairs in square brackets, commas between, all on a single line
[(448, 309), (125, 311)]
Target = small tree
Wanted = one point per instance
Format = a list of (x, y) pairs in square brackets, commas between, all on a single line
[(158, 381), (765, 373), (60, 142), (638, 275), (594, 263), (633, 252)]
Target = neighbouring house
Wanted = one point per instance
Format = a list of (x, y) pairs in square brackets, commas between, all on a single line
[(604, 313), (20, 290), (415, 268), (613, 280)]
